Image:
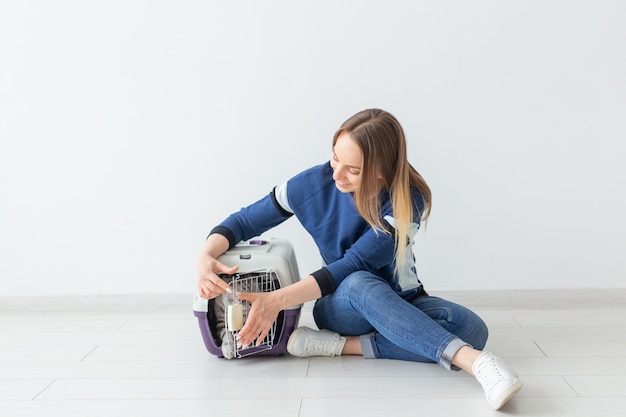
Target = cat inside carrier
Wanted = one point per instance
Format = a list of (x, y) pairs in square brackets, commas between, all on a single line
[(264, 265)]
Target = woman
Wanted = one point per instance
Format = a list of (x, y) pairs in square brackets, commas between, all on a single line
[(362, 209)]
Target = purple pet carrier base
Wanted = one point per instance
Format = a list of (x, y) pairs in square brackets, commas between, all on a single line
[(280, 342)]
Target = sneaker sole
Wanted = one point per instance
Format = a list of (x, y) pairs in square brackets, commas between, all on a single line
[(507, 395), (291, 342)]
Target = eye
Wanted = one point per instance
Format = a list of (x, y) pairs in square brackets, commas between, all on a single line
[(354, 171)]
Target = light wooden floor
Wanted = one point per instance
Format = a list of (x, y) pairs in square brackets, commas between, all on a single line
[(143, 356)]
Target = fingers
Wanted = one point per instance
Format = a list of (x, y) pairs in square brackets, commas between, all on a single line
[(247, 296), (230, 270), (257, 327), (249, 334), (221, 284), (210, 284), (262, 336), (259, 321)]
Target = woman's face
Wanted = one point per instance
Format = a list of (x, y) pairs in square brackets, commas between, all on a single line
[(347, 163)]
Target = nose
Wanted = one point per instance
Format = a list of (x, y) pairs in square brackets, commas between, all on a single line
[(338, 173)]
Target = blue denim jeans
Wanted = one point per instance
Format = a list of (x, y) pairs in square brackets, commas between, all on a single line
[(422, 329)]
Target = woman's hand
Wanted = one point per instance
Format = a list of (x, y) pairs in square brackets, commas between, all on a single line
[(262, 315), (210, 285), (267, 305)]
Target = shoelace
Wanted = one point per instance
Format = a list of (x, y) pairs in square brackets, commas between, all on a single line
[(324, 345), (488, 373)]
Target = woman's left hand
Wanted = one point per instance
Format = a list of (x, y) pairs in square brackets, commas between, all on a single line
[(262, 315)]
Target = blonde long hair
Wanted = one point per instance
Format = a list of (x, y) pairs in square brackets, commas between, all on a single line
[(385, 166)]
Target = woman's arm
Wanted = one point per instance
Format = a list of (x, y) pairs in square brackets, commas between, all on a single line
[(210, 285)]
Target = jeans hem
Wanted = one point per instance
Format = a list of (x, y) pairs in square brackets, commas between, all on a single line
[(448, 352), (368, 346)]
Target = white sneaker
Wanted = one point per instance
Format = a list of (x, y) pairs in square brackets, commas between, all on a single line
[(498, 379), (305, 342)]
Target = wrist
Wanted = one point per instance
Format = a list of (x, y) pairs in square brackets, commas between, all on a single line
[(214, 246), (280, 298)]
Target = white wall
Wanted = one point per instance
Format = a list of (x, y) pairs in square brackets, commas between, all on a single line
[(129, 128)]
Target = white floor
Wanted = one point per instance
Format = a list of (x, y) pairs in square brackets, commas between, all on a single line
[(143, 356)]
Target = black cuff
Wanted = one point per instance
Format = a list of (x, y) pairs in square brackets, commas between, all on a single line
[(225, 231), (325, 281)]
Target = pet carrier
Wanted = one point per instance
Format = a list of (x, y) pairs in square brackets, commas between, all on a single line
[(264, 265)]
